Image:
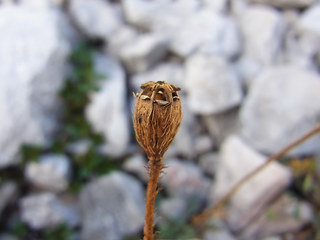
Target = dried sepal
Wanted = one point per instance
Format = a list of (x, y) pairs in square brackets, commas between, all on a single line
[(157, 117)]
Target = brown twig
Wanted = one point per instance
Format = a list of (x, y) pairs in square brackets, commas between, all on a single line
[(209, 212), (155, 167)]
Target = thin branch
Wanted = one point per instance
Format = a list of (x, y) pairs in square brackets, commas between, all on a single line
[(211, 211)]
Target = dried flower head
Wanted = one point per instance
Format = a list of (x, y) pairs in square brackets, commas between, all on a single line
[(157, 117)]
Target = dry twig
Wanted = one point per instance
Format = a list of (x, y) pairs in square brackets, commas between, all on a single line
[(211, 211)]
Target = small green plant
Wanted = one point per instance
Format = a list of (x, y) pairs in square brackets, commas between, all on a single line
[(61, 232)]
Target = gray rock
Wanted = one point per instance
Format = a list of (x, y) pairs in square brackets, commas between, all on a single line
[(221, 125), (112, 206), (202, 144), (173, 208), (208, 162), (185, 180), (51, 173), (237, 160), (8, 193), (215, 34), (79, 147), (137, 164), (308, 21), (218, 5), (8, 237), (171, 72), (32, 72), (212, 84), (307, 33), (218, 235), (183, 144), (44, 210), (107, 111), (281, 106), (265, 47), (141, 13), (143, 52), (96, 18), (285, 215), (285, 3), (179, 20)]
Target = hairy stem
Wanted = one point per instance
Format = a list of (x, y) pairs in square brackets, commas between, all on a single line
[(211, 211), (155, 167)]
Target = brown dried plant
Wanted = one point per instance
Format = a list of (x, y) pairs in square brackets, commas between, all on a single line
[(156, 121)]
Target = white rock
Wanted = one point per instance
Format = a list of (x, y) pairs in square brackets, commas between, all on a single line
[(308, 20), (185, 180), (265, 46), (217, 5), (33, 59), (51, 173), (141, 12), (208, 162), (43, 210), (137, 164), (143, 52), (151, 15), (180, 20), (112, 206), (207, 32), (308, 33), (212, 84), (287, 214), (221, 125), (218, 235), (107, 111), (183, 144), (237, 160), (285, 3), (96, 18), (171, 72), (173, 208), (281, 106), (202, 144)]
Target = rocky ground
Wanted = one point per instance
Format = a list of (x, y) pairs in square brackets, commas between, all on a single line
[(70, 167)]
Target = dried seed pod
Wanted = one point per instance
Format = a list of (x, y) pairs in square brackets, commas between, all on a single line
[(157, 117)]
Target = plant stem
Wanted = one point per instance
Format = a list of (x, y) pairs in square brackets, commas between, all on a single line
[(209, 212), (155, 168)]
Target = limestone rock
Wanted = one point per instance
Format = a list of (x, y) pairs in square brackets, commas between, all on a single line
[(208, 162), (96, 18), (51, 173), (216, 34), (136, 164), (212, 84), (143, 52), (8, 193), (236, 160), (185, 180), (221, 125), (264, 47), (287, 214), (218, 235), (281, 106), (112, 206), (42, 210), (171, 72), (173, 208), (285, 3), (33, 58), (107, 111), (203, 144)]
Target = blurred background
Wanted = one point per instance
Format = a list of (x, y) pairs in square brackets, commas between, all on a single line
[(70, 167)]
